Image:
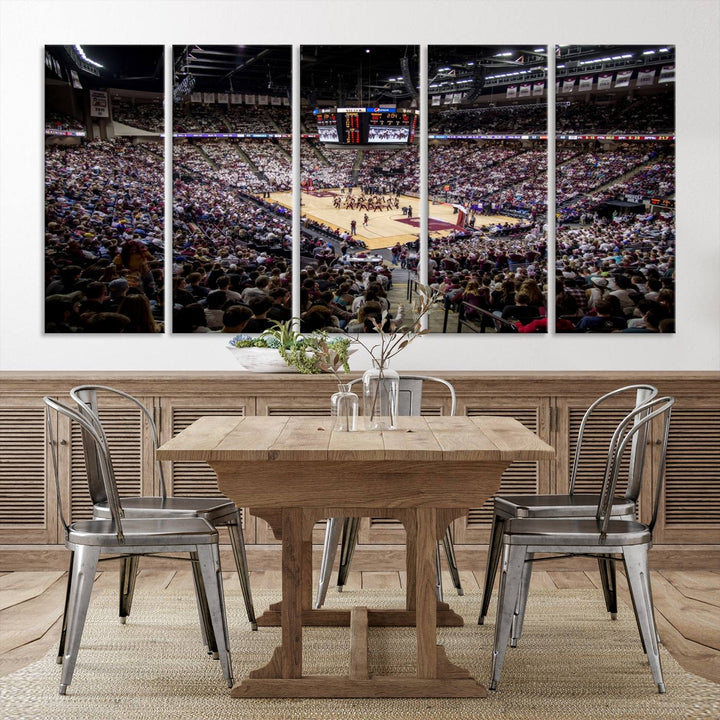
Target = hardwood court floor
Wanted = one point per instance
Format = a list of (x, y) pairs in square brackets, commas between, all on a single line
[(687, 604), (384, 228)]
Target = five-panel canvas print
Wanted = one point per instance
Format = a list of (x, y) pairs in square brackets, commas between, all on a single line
[(503, 249)]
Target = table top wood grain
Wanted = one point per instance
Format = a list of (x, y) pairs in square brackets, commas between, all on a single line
[(312, 439)]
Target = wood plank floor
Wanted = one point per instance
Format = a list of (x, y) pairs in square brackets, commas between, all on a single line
[(687, 605)]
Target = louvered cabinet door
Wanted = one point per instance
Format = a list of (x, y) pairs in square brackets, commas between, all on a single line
[(131, 451), (28, 510), (520, 477), (690, 504), (186, 478)]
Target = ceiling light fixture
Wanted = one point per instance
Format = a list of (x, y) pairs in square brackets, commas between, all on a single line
[(82, 54)]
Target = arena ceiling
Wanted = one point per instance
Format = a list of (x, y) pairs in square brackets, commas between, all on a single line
[(341, 73), (362, 74), (235, 68), (136, 67)]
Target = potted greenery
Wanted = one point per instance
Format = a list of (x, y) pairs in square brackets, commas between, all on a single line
[(282, 349)]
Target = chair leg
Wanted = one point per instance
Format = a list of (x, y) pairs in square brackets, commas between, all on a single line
[(63, 631), (449, 548), (638, 577), (333, 528), (81, 583), (637, 620), (493, 560), (206, 629), (209, 561), (519, 617), (438, 574), (607, 577), (351, 527), (510, 579), (238, 546), (128, 574)]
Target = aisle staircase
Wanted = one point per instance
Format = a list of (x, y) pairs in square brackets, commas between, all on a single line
[(318, 154), (356, 166), (208, 159), (280, 147), (246, 159), (626, 176)]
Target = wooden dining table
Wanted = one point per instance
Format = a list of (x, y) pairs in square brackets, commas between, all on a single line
[(294, 471)]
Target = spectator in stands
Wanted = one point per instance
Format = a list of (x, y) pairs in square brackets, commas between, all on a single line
[(118, 290), (597, 291), (651, 321), (259, 322), (106, 322), (214, 304), (95, 297), (318, 317), (61, 313), (603, 321), (190, 319), (522, 310), (196, 288), (280, 310), (260, 289), (624, 293), (137, 308), (235, 319)]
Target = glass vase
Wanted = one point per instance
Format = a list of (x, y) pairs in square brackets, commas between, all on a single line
[(344, 408), (381, 388)]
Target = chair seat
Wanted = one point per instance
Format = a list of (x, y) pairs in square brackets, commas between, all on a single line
[(575, 532), (146, 531), (559, 506), (148, 506)]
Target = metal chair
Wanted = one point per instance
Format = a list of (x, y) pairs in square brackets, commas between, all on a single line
[(219, 511), (572, 504), (409, 403), (129, 538), (604, 536)]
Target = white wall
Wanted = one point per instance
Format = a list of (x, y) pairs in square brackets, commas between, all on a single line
[(691, 25)]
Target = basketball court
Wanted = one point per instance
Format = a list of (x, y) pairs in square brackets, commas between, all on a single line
[(384, 228)]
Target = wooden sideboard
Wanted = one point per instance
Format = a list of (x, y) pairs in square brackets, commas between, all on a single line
[(550, 404)]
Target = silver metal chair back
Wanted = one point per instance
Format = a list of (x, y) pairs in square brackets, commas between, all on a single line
[(86, 398), (100, 457), (643, 393), (635, 424), (411, 390)]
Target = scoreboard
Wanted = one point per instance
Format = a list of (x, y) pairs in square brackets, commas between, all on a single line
[(361, 126), (353, 132), (327, 126), (391, 127)]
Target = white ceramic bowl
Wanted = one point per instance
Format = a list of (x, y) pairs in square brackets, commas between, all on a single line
[(261, 360), (265, 360)]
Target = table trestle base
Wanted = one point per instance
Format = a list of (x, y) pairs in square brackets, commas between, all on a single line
[(328, 617)]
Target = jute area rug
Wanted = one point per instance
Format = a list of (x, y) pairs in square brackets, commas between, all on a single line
[(573, 662)]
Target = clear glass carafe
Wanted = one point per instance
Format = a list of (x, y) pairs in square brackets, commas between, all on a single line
[(344, 408)]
